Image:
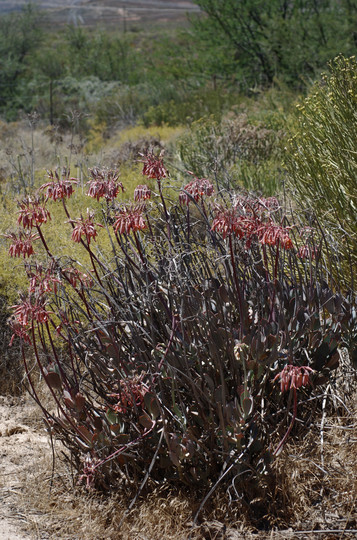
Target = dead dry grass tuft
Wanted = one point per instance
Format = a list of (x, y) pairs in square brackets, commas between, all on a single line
[(318, 475)]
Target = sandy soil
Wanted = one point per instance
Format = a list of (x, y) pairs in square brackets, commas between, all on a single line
[(22, 443)]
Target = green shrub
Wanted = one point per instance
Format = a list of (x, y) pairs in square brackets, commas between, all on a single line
[(322, 160), (259, 40), (169, 103), (234, 150), (188, 105), (125, 105)]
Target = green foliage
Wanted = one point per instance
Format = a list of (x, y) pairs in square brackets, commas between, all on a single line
[(48, 73), (293, 40), (321, 160), (159, 104), (78, 71), (66, 95), (187, 106), (174, 78), (20, 35), (109, 57), (126, 104), (235, 151)]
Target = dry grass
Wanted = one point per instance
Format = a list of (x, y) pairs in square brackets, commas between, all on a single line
[(28, 149), (322, 495)]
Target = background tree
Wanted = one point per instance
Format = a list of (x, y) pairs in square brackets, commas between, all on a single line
[(290, 39), (20, 35), (50, 67)]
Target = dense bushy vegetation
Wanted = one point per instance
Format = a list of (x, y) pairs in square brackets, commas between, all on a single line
[(321, 161), (168, 78), (20, 38), (234, 149), (263, 40)]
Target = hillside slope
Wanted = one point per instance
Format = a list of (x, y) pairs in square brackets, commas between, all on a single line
[(113, 12)]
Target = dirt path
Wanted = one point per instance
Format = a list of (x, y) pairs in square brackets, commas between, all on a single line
[(21, 446), (9, 532)]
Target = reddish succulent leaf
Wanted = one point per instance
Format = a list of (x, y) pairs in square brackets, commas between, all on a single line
[(174, 458), (67, 398), (83, 445), (98, 424), (146, 421), (80, 401), (87, 435), (122, 438), (152, 405), (53, 380)]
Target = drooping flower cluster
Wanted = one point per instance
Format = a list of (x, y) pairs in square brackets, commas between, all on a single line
[(104, 183), (272, 234), (196, 189), (130, 218), (89, 471), (154, 166), (142, 193), (59, 188), (84, 227), (307, 252), (246, 221), (257, 207), (42, 280), (32, 308), (32, 213), (131, 394), (21, 243), (18, 330), (74, 276), (270, 204), (227, 222), (293, 377)]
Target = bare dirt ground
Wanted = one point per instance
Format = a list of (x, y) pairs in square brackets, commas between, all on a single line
[(21, 446)]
